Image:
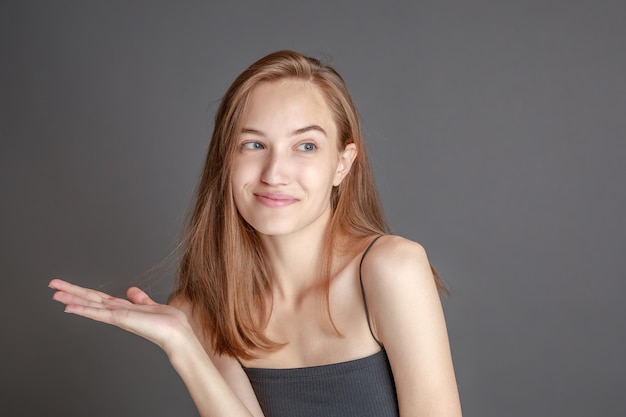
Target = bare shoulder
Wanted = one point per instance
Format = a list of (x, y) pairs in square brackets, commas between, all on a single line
[(407, 318), (397, 277), (395, 258)]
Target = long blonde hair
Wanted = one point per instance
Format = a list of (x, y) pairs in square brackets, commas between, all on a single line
[(224, 273)]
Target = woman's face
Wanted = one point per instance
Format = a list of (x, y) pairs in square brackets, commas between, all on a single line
[(287, 159)]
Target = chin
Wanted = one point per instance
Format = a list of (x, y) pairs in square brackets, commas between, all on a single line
[(274, 229), (273, 224)]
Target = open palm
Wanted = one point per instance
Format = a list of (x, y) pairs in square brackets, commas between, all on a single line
[(162, 324)]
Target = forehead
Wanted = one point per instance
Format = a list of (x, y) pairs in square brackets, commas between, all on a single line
[(290, 102)]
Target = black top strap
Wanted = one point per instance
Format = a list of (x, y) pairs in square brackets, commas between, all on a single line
[(367, 314)]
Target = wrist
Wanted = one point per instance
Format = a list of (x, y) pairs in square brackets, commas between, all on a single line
[(183, 350)]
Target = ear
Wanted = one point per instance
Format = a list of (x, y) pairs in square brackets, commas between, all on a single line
[(346, 157)]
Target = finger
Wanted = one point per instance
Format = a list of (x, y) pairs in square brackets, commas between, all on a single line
[(67, 298), (138, 296), (103, 315), (87, 293)]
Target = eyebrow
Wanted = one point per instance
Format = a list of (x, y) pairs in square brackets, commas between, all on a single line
[(308, 129), (294, 133)]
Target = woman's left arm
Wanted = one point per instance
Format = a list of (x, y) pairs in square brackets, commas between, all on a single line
[(407, 317)]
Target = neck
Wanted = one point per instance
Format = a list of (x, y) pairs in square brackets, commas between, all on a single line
[(296, 259)]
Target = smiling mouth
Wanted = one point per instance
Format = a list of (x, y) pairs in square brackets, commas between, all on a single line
[(275, 200)]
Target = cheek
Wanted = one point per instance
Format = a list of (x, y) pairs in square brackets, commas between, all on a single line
[(318, 179), (238, 181), (239, 174)]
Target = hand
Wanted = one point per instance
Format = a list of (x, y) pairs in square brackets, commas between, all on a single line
[(164, 325)]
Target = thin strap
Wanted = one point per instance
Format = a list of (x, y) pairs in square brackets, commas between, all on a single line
[(367, 313)]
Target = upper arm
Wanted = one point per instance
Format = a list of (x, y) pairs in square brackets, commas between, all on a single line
[(407, 317), (228, 367)]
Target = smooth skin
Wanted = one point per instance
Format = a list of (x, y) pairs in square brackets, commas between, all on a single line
[(287, 163)]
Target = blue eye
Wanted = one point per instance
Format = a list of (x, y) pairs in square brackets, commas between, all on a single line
[(252, 145), (307, 147)]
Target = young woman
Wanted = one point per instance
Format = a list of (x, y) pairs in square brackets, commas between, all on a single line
[(291, 298)]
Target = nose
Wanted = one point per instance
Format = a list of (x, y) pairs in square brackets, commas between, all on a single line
[(275, 169)]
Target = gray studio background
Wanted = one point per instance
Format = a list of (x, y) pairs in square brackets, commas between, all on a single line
[(496, 130)]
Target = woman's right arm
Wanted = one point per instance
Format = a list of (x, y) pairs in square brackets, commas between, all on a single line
[(228, 367), (217, 385)]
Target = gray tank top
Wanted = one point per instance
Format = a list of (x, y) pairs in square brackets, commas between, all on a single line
[(357, 388)]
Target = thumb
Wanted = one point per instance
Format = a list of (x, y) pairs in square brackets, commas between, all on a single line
[(137, 296)]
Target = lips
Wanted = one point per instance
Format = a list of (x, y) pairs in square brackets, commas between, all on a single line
[(275, 199)]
